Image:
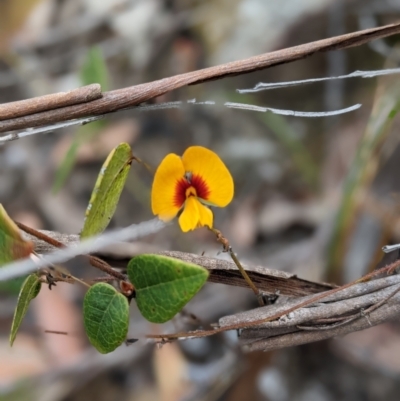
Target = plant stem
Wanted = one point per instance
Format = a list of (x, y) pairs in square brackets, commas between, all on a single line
[(61, 271), (246, 277), (93, 260), (241, 325), (105, 267), (227, 248)]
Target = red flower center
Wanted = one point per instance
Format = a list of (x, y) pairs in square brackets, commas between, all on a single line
[(190, 185)]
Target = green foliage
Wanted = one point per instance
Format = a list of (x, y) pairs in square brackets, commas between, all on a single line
[(94, 70), (29, 290), (363, 170), (107, 190), (66, 166), (12, 245), (12, 287), (164, 285), (105, 317)]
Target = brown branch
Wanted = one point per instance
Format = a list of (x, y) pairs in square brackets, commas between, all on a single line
[(388, 309), (268, 280), (221, 271), (50, 102), (343, 302), (277, 315), (311, 318), (134, 95), (54, 242)]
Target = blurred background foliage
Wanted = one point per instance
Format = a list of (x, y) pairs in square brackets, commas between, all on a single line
[(317, 197)]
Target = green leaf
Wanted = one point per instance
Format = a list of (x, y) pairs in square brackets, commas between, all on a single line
[(107, 190), (105, 317), (94, 70), (362, 173), (13, 286), (164, 285), (12, 245), (65, 167), (29, 290), (84, 134)]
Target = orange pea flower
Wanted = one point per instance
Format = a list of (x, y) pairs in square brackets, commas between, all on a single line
[(187, 184)]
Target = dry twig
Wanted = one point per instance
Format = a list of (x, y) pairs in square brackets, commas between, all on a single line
[(369, 310), (134, 95), (298, 320), (221, 271), (49, 102)]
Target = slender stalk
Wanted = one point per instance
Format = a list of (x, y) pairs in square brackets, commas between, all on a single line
[(93, 260), (40, 235), (103, 279), (227, 248), (61, 271), (105, 267), (63, 333), (247, 278)]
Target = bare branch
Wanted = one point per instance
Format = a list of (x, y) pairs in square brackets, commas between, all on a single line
[(267, 280), (355, 307), (133, 232), (175, 105), (49, 102), (387, 312), (349, 310), (221, 271), (128, 97)]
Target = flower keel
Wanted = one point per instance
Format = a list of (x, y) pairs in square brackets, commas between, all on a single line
[(195, 215)]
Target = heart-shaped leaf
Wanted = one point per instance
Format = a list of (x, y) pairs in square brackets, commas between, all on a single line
[(164, 285), (105, 317), (29, 290), (106, 192), (12, 245)]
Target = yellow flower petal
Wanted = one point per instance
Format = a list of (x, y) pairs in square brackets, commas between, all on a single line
[(207, 168), (205, 216), (163, 193), (189, 218)]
